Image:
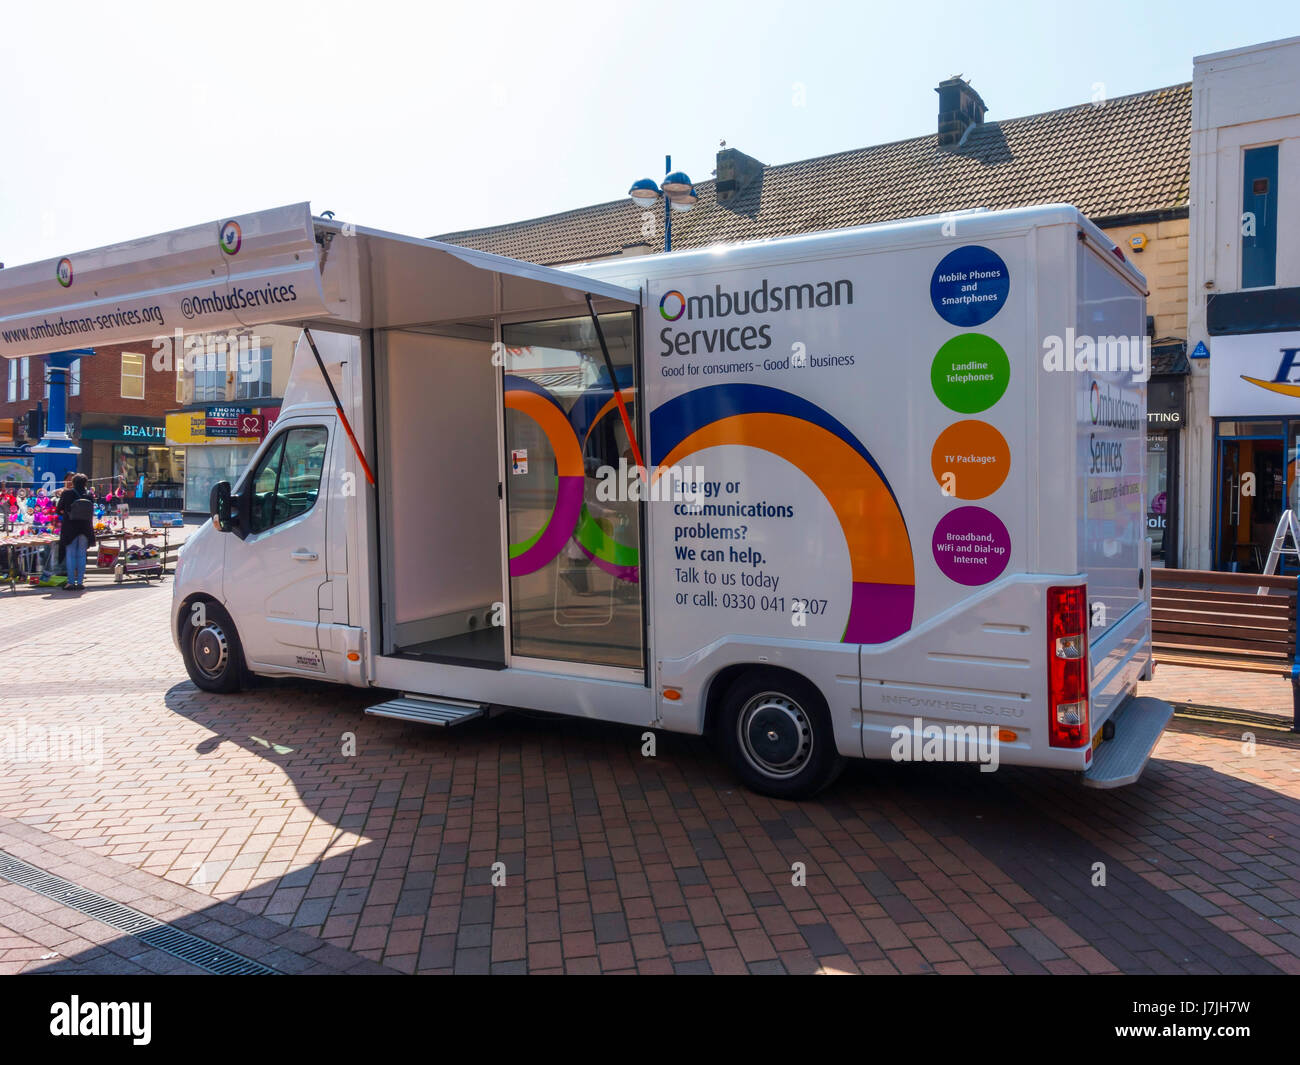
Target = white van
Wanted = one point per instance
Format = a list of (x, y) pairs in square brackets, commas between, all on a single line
[(872, 493)]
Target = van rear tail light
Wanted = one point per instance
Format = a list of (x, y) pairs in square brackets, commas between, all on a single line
[(1067, 666)]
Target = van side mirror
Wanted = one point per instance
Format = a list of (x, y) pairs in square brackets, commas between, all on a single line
[(219, 505)]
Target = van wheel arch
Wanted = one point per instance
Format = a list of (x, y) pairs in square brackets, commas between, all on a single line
[(794, 705), (229, 672)]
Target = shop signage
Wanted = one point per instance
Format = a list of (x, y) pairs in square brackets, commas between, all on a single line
[(1255, 374), (1166, 403), (246, 425), (225, 421), (166, 519), (127, 430)]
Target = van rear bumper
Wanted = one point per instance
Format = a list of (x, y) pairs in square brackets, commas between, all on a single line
[(1139, 724)]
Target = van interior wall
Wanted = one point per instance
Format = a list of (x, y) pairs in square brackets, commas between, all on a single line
[(445, 514)]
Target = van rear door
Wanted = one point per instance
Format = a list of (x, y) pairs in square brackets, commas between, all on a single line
[(1110, 400)]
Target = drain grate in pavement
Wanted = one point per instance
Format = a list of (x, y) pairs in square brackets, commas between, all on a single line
[(149, 930)]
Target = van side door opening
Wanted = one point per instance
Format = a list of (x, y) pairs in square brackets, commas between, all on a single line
[(513, 539), (443, 585)]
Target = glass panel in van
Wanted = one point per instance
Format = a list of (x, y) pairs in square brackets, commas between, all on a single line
[(575, 547)]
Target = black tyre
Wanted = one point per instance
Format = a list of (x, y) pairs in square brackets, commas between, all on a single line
[(210, 646), (775, 732)]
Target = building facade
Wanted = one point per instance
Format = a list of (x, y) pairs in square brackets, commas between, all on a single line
[(117, 400), (1243, 305), (229, 390)]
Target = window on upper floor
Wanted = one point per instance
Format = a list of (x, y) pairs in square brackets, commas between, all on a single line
[(210, 377), (132, 376), (1259, 217), (254, 379)]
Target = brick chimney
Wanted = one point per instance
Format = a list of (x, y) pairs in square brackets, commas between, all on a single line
[(960, 108), (735, 171)]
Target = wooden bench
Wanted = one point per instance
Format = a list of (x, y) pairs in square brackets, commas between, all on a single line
[(1222, 621)]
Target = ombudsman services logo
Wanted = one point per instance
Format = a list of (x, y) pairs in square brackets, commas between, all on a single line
[(672, 294), (231, 237), (64, 272)]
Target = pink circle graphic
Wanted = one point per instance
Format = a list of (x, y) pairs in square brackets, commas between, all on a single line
[(971, 546)]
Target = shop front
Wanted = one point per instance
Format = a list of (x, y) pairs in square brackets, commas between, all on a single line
[(130, 454), (216, 443), (1166, 416), (1255, 404)]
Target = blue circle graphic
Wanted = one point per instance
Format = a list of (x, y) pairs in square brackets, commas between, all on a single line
[(969, 286)]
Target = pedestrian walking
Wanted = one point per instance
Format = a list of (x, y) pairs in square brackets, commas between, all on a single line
[(77, 531)]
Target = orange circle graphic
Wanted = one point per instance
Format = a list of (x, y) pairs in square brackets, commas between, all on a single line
[(970, 459)]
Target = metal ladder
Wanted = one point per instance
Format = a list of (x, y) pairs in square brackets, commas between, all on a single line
[(1286, 526)]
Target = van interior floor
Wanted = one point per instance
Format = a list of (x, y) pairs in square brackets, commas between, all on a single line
[(484, 648)]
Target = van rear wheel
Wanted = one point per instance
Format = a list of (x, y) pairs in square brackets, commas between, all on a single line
[(210, 646), (775, 732)]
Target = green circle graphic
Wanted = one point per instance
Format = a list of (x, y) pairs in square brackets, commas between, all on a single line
[(970, 373)]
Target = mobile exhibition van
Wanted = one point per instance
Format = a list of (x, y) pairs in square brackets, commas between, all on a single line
[(873, 492)]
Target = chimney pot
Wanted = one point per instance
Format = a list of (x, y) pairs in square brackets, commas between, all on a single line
[(735, 171), (960, 108)]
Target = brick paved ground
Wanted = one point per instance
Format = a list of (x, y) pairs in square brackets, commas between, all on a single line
[(613, 862)]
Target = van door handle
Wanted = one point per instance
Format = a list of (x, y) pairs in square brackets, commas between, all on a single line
[(303, 555)]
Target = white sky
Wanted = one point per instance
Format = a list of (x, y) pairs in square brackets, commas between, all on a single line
[(127, 119)]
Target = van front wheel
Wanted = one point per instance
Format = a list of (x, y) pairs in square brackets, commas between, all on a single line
[(775, 732), (210, 646)]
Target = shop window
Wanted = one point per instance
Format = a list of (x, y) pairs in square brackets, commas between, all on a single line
[(1259, 217), (287, 479), (132, 376), (254, 375), (1157, 492), (206, 465)]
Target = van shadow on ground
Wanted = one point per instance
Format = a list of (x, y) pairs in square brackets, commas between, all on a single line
[(941, 854)]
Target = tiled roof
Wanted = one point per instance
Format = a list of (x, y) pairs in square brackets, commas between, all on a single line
[(1129, 155)]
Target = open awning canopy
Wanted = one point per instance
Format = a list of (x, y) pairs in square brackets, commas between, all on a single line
[(410, 282), (280, 265)]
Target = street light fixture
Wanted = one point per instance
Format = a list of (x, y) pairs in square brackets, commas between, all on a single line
[(676, 191)]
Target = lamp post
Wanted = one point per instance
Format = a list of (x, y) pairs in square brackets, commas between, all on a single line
[(676, 191)]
